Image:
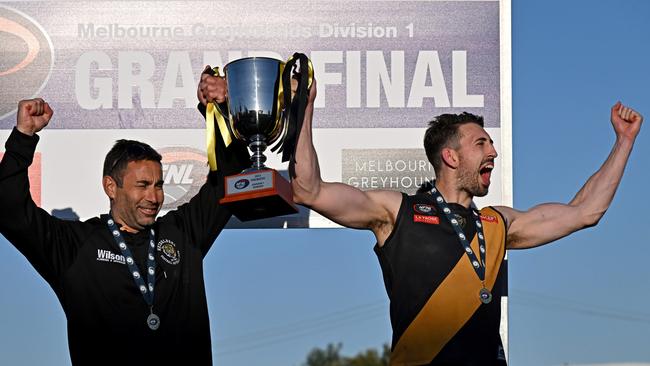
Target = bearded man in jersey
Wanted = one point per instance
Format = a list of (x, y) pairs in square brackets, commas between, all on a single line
[(440, 256)]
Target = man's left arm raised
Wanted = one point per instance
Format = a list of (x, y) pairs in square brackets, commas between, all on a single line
[(547, 222)]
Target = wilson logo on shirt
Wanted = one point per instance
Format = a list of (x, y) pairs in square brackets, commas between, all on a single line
[(432, 220), (168, 251), (108, 256)]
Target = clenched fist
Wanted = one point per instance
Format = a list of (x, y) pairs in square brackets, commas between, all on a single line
[(211, 88), (626, 121), (33, 115)]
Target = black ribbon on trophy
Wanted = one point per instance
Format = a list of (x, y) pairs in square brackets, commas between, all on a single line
[(260, 111), (297, 106)]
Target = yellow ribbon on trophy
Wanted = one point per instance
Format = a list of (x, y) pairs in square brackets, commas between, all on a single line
[(212, 114)]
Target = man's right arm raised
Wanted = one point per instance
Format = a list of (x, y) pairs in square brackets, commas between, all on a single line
[(16, 205), (29, 228), (346, 205)]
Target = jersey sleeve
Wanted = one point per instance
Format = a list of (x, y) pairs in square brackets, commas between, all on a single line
[(203, 218), (48, 243)]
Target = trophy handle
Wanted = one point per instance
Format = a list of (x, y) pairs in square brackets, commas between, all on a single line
[(311, 73), (310, 79), (310, 69)]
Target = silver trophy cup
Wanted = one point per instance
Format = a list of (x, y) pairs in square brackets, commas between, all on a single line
[(255, 103), (256, 116)]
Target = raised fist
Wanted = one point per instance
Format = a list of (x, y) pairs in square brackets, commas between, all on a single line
[(626, 121), (33, 115)]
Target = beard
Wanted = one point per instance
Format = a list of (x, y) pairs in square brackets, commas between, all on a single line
[(470, 181)]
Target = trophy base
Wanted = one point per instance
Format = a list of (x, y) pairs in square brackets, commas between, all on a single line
[(258, 194)]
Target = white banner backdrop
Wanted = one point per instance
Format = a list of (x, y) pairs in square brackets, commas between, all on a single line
[(127, 69)]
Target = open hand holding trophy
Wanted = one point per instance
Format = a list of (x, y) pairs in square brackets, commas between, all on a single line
[(261, 111)]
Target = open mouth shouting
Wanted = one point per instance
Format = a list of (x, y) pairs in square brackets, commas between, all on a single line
[(486, 172)]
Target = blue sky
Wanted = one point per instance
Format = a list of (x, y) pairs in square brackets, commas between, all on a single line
[(273, 295)]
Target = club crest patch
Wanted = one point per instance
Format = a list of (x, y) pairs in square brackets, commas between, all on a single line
[(461, 220), (168, 251), (424, 209)]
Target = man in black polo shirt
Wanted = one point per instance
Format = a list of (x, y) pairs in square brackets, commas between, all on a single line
[(131, 284)]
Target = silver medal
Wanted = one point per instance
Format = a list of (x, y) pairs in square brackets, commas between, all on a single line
[(485, 295), (153, 321)]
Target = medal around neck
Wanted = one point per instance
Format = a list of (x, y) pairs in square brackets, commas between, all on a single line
[(153, 321), (485, 295), (146, 289), (479, 266)]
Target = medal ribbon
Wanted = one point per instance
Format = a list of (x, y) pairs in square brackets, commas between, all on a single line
[(479, 267), (145, 289)]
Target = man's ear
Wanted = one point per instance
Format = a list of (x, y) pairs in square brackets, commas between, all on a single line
[(450, 157), (110, 186)]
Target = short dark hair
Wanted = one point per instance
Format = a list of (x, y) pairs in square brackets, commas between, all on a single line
[(443, 132), (123, 152)]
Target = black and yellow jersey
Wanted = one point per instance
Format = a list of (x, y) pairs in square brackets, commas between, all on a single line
[(435, 309)]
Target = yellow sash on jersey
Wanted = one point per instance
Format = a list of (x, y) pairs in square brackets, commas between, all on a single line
[(454, 301)]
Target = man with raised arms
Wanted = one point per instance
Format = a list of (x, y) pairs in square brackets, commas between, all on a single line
[(130, 283), (440, 256)]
